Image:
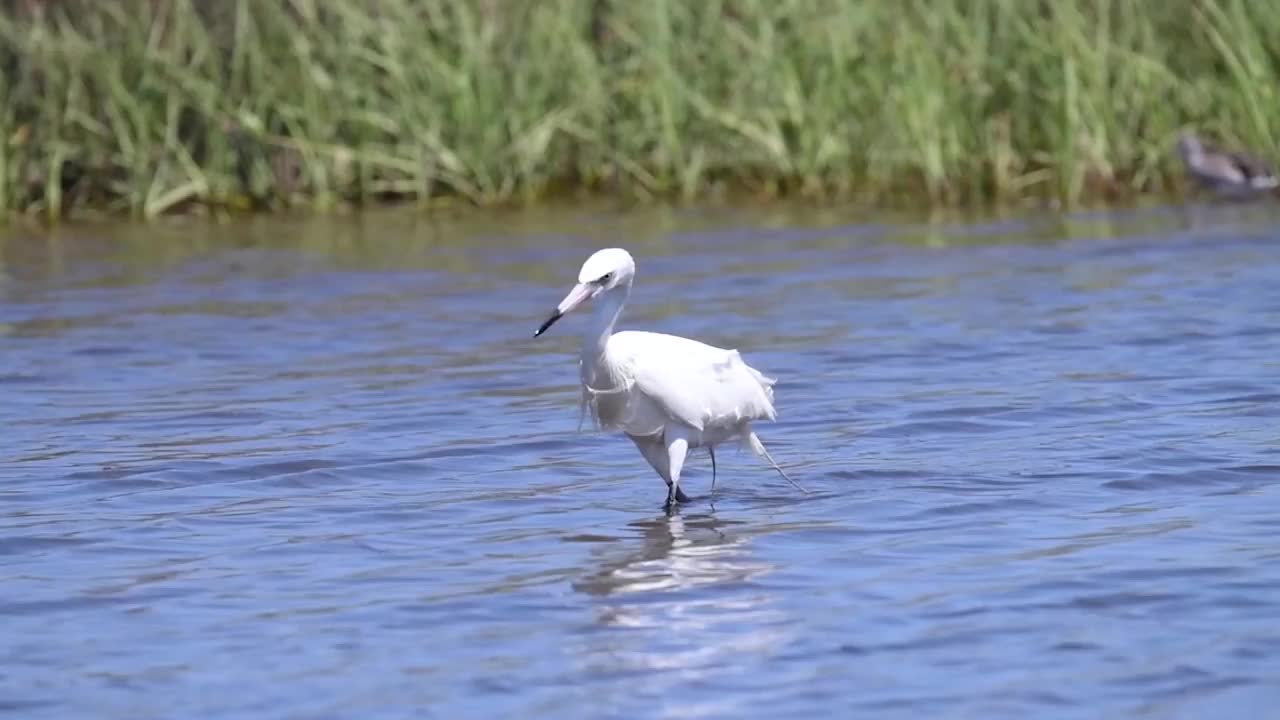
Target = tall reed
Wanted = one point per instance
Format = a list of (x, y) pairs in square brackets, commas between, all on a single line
[(148, 106)]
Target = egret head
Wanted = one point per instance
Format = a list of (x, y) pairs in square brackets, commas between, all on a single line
[(605, 271)]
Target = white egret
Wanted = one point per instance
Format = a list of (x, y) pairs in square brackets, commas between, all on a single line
[(669, 394)]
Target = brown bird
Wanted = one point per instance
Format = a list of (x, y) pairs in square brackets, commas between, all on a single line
[(1227, 173)]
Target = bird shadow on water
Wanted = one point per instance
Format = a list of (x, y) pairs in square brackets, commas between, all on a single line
[(676, 551), (678, 606)]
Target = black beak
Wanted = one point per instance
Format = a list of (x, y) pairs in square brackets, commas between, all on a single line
[(549, 322)]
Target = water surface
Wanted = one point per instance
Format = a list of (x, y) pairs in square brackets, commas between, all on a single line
[(319, 469)]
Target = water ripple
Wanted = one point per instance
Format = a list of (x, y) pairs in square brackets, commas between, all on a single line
[(321, 470)]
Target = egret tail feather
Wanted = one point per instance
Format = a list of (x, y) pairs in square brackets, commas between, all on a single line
[(758, 448)]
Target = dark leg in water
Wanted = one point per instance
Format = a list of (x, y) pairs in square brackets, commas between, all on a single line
[(712, 450), (656, 453), (676, 439), (674, 497)]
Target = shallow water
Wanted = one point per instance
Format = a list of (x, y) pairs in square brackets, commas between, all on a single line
[(318, 468)]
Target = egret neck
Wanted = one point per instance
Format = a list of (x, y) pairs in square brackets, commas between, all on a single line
[(608, 306)]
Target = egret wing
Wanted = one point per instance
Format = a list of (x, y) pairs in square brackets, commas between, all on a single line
[(698, 384)]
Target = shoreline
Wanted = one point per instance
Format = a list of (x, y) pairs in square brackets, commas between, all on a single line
[(141, 108)]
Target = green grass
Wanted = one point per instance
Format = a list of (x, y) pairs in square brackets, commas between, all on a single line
[(151, 106)]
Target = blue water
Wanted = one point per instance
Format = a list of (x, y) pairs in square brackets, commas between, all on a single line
[(319, 469)]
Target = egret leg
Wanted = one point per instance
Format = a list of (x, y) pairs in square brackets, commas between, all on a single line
[(711, 449), (655, 452), (677, 450)]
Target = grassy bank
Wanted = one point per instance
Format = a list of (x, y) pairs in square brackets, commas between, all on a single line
[(148, 106)]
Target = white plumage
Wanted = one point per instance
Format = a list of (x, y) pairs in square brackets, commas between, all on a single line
[(667, 393)]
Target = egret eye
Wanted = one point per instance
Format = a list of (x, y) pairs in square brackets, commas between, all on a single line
[(605, 278)]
